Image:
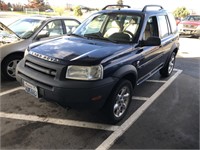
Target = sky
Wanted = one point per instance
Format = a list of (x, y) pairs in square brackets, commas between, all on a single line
[(167, 4)]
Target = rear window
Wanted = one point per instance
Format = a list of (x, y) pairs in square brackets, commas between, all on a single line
[(192, 18)]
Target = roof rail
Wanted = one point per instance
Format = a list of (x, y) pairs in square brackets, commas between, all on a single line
[(119, 6), (146, 6)]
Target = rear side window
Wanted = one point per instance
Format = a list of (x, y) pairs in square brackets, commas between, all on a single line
[(163, 26), (172, 23), (71, 25)]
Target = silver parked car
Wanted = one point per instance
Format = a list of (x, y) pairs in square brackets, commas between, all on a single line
[(15, 38)]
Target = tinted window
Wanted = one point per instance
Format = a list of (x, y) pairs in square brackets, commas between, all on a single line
[(163, 26)]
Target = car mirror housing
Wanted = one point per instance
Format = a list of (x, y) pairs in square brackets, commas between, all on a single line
[(151, 41), (42, 34)]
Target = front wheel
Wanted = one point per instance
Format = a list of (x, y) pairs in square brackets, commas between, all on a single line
[(119, 101), (168, 68)]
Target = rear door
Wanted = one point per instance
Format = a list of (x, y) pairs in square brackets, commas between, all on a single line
[(167, 30)]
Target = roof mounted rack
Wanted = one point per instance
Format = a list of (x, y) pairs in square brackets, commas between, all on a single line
[(119, 6), (145, 7)]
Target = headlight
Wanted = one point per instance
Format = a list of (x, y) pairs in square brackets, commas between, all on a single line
[(198, 27), (26, 52), (180, 26), (84, 72)]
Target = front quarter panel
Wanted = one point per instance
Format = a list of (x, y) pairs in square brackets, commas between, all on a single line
[(14, 48), (122, 64)]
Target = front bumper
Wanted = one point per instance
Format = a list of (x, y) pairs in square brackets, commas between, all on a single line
[(70, 93), (188, 31)]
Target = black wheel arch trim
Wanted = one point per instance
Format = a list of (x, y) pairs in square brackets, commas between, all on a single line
[(175, 49), (125, 71)]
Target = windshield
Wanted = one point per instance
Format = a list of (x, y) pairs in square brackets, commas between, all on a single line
[(6, 35), (111, 27), (192, 18), (25, 28)]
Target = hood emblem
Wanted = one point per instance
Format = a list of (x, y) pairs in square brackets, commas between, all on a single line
[(44, 57)]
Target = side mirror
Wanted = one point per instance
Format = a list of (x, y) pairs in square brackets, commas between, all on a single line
[(151, 41), (42, 34)]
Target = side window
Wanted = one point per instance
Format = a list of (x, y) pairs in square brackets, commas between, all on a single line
[(53, 28), (163, 26), (151, 28), (172, 23), (71, 25)]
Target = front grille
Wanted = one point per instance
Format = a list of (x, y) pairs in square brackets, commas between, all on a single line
[(41, 69), (39, 84), (189, 26)]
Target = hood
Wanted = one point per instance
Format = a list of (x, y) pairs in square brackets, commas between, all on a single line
[(194, 23), (78, 50), (7, 35)]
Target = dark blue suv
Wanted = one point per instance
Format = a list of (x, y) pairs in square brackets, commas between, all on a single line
[(100, 63)]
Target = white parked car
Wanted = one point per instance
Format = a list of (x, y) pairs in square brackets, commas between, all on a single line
[(15, 38)]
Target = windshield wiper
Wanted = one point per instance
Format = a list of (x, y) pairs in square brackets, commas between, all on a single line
[(77, 35)]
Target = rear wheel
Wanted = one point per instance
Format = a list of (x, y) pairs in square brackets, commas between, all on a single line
[(168, 68), (119, 101), (9, 65)]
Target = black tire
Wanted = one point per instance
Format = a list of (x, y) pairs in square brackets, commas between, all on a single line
[(8, 66), (115, 108), (167, 70)]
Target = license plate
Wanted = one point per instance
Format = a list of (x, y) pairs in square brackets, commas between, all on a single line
[(31, 89)]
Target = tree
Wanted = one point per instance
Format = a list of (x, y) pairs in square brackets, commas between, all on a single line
[(3, 5), (60, 10), (18, 7), (181, 12), (77, 11), (120, 2), (36, 4), (9, 6)]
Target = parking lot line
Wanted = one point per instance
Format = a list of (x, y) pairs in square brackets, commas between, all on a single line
[(56, 121), (115, 135), (157, 81), (175, 69), (140, 98), (12, 90)]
